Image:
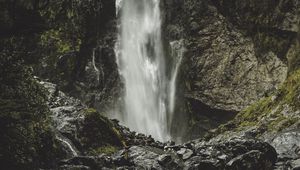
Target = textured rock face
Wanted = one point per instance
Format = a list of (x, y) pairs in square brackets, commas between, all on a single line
[(79, 129), (85, 68), (100, 85), (288, 149), (280, 14), (237, 51), (223, 65), (287, 145)]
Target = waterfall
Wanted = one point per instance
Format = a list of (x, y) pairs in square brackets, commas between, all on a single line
[(177, 50), (141, 63), (95, 67), (69, 146)]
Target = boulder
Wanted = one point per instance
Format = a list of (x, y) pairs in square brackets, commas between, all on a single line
[(287, 144)]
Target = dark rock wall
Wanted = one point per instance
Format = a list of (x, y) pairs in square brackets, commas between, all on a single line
[(51, 39), (76, 51)]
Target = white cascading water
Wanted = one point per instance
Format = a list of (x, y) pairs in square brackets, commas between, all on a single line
[(141, 62), (177, 50)]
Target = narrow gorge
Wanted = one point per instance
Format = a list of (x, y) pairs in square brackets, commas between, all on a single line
[(149, 84)]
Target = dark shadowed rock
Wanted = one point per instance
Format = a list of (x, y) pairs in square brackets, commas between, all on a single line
[(164, 159), (295, 164), (250, 160), (74, 167), (198, 162)]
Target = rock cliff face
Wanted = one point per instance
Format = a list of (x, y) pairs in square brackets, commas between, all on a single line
[(77, 50), (237, 52)]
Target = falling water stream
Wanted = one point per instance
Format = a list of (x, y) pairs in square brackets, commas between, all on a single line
[(148, 96)]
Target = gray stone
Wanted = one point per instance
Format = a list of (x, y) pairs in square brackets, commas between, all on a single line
[(295, 164), (185, 153), (144, 158), (287, 144), (250, 160), (164, 159)]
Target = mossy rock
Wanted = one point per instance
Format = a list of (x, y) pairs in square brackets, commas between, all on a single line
[(98, 134), (108, 150), (274, 113)]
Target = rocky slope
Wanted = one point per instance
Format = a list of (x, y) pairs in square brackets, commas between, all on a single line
[(91, 141)]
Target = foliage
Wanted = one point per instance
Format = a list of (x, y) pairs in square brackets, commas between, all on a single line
[(26, 140), (39, 35)]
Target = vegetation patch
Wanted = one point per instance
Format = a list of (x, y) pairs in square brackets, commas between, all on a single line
[(108, 150), (272, 114), (98, 134), (27, 140)]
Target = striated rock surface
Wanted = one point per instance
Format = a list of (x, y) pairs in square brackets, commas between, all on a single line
[(236, 53)]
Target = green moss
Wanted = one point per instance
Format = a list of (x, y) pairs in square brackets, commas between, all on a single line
[(59, 40), (273, 125), (98, 134), (118, 134), (27, 140), (251, 115), (290, 90), (255, 110), (109, 150), (274, 113), (90, 111)]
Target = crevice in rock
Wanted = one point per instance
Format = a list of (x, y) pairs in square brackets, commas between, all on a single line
[(205, 118)]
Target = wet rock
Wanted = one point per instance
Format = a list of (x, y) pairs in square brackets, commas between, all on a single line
[(90, 162), (287, 144), (250, 160), (143, 152), (233, 153), (281, 166), (143, 157), (168, 162), (121, 158), (198, 162), (164, 159), (173, 147), (74, 167), (66, 113), (288, 165), (133, 138), (185, 153), (81, 130), (189, 145), (295, 164), (65, 109)]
